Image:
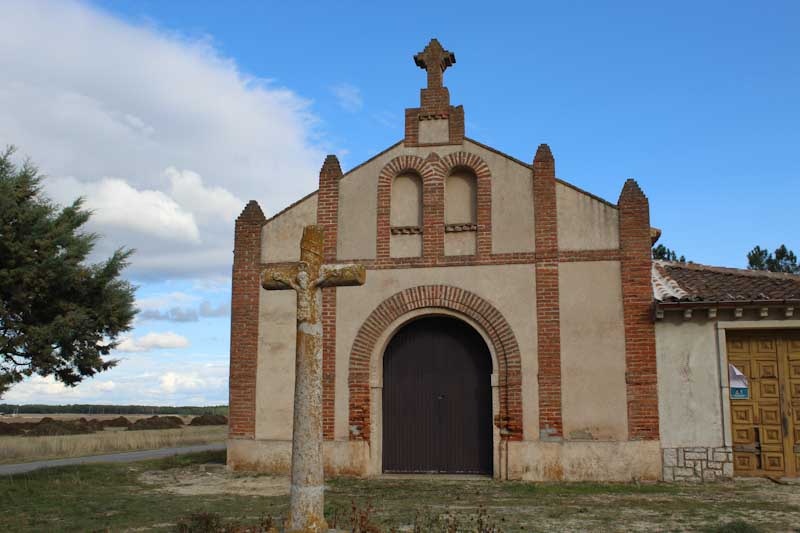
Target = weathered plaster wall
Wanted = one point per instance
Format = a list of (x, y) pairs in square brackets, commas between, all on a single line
[(406, 201), (434, 131), (405, 245), (460, 197), (460, 243), (280, 238), (592, 351), (512, 203), (275, 375), (275, 456), (585, 223), (585, 461), (528, 460), (688, 383), (511, 289)]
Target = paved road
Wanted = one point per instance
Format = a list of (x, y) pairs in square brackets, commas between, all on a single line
[(110, 458)]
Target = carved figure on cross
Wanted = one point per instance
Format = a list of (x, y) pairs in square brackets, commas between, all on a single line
[(434, 59), (307, 277)]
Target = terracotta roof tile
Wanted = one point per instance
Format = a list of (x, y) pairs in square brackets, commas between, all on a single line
[(690, 282)]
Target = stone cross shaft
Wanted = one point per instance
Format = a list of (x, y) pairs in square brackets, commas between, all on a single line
[(307, 277)]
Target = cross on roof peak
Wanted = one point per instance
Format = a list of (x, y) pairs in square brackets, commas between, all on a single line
[(435, 60)]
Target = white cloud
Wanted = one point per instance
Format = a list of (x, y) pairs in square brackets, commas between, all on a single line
[(166, 137), (348, 96), (117, 205), (153, 341), (208, 203), (47, 389), (181, 381), (172, 382)]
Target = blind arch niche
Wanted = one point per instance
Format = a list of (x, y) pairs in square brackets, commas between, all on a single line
[(461, 212), (406, 215)]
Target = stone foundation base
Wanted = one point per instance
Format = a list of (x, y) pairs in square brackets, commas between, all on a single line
[(585, 461), (340, 458), (527, 460), (697, 464)]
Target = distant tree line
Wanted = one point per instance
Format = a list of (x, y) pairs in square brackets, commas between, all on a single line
[(90, 409), (781, 260)]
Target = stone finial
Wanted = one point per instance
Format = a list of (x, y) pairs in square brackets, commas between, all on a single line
[(544, 165), (631, 192), (543, 154), (434, 59), (252, 212), (331, 168)]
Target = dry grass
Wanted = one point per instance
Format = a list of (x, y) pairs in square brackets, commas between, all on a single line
[(24, 449)]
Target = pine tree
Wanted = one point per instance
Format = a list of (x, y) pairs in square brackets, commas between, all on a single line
[(59, 316), (783, 260), (665, 254)]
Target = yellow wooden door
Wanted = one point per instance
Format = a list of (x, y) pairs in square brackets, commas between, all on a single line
[(792, 387), (763, 424)]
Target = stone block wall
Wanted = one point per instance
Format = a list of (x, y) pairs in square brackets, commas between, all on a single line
[(697, 464)]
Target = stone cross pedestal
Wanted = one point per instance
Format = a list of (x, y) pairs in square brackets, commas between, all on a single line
[(307, 277)]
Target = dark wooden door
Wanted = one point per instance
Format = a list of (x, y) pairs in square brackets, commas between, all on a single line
[(437, 399)]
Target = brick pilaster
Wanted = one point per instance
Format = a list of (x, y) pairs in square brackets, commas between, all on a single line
[(245, 292), (328, 218), (547, 303), (433, 210), (637, 298)]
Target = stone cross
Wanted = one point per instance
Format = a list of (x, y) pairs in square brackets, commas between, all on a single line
[(306, 278), (435, 60)]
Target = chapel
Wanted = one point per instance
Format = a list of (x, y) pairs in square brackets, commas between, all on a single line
[(511, 325)]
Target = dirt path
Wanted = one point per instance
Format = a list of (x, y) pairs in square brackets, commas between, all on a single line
[(139, 455)]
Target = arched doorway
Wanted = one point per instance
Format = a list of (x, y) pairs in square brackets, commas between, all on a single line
[(437, 399)]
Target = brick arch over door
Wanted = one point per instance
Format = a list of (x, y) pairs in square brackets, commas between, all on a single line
[(484, 190), (467, 303), (395, 167)]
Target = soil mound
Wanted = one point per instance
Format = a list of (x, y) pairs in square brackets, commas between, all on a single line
[(10, 429), (209, 420), (92, 424), (51, 428), (178, 420), (157, 422), (119, 422)]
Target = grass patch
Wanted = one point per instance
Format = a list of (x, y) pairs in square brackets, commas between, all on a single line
[(177, 461), (109, 496), (736, 526), (112, 496), (566, 489)]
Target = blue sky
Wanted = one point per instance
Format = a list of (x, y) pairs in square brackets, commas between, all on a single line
[(169, 116)]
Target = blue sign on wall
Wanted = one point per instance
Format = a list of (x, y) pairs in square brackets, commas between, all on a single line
[(740, 393), (738, 382)]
